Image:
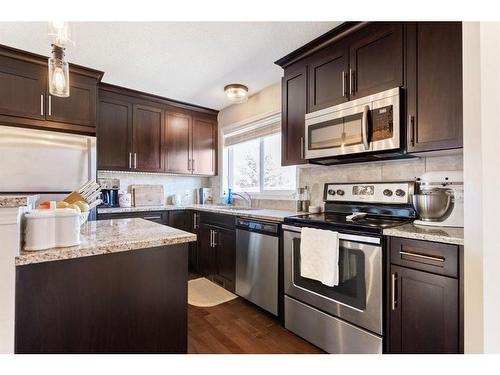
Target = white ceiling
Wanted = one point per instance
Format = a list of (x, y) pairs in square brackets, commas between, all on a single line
[(187, 61)]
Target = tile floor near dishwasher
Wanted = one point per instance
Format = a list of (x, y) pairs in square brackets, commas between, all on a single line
[(239, 327)]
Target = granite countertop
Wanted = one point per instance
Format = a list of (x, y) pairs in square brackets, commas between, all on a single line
[(428, 233), (258, 213), (111, 236), (11, 201)]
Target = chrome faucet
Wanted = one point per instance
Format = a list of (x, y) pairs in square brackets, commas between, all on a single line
[(247, 198)]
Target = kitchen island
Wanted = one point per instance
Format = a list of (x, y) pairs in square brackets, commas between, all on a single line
[(122, 290)]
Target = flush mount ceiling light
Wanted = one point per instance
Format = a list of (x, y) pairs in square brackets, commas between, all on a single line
[(59, 35), (236, 92)]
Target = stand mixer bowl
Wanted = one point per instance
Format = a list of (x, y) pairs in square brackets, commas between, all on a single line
[(433, 204)]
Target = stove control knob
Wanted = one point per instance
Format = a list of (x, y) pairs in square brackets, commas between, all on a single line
[(400, 193), (331, 192), (340, 192), (387, 192)]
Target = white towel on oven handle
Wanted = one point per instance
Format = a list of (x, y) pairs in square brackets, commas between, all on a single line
[(319, 255)]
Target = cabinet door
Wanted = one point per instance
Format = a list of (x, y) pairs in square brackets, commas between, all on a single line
[(177, 143), (193, 246), (22, 89), (114, 135), (205, 251), (180, 219), (376, 59), (148, 129), (225, 258), (425, 315), (434, 92), (80, 107), (294, 99), (327, 78), (204, 146)]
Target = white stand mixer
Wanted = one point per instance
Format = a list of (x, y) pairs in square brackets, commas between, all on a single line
[(453, 183)]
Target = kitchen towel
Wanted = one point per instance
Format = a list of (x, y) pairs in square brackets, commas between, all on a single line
[(319, 255)]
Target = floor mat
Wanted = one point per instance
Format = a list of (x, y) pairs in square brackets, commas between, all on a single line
[(204, 293)]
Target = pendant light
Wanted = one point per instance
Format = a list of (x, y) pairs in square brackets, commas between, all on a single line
[(59, 35), (236, 92)]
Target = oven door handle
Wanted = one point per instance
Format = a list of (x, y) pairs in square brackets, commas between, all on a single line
[(342, 236), (364, 127)]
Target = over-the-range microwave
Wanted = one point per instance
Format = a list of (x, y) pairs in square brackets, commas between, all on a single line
[(367, 128)]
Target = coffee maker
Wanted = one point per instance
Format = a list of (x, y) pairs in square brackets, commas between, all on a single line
[(109, 192), (439, 199)]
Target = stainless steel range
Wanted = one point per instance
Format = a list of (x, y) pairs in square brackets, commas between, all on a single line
[(346, 318)]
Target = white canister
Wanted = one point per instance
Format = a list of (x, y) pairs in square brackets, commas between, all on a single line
[(49, 228), (124, 199), (67, 223), (39, 231)]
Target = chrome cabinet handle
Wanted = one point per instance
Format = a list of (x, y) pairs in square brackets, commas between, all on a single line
[(194, 221), (343, 84), (152, 217), (189, 164), (129, 160), (192, 165), (421, 256), (215, 243), (393, 291), (351, 86), (364, 127), (41, 104), (212, 235), (135, 160), (50, 105), (411, 121), (302, 147)]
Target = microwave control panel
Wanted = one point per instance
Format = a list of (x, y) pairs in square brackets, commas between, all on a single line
[(387, 192)]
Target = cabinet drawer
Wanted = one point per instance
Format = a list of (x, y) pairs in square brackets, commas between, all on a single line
[(227, 221), (427, 256), (160, 217)]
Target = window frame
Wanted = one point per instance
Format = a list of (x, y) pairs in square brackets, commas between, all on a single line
[(227, 175)]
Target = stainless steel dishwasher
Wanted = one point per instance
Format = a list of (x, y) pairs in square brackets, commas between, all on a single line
[(257, 250)]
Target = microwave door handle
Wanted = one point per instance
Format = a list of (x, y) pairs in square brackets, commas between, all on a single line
[(364, 127)]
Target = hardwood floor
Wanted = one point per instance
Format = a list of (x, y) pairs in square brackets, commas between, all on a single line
[(241, 328)]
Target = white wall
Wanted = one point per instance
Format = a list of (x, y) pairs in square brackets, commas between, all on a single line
[(490, 138), (482, 183)]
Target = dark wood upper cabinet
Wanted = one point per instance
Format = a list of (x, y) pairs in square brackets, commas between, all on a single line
[(425, 318), (375, 59), (114, 134), (26, 102), (144, 133), (178, 143), (204, 147), (22, 89), (434, 87), (328, 77), (80, 107), (294, 106), (148, 130)]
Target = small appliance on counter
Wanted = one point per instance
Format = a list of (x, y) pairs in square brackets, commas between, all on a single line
[(205, 196), (439, 199), (109, 189)]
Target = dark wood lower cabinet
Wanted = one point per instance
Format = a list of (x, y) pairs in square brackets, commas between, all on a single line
[(425, 298), (425, 317), (217, 250), (129, 302)]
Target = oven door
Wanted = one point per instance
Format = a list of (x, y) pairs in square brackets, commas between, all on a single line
[(358, 297)]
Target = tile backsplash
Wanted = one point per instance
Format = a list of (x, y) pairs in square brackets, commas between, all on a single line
[(183, 185), (316, 176)]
